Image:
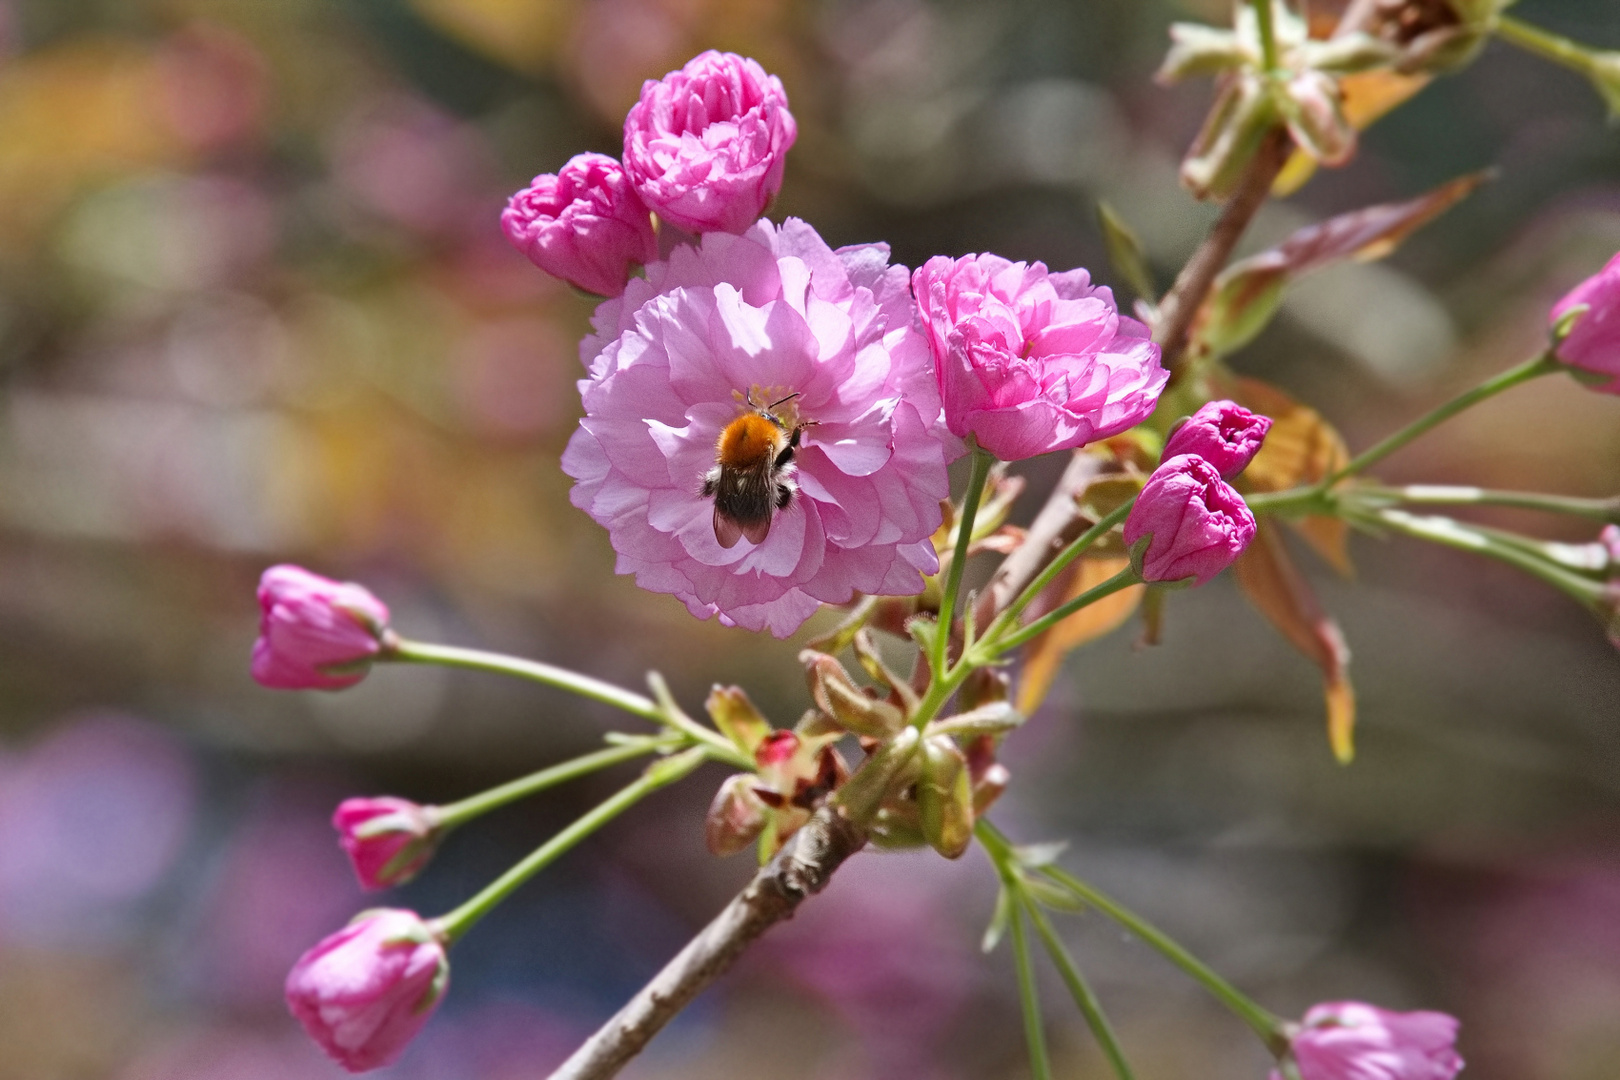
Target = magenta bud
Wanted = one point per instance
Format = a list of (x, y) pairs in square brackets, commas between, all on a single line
[(1350, 1040), (1590, 338), (1187, 523), (584, 224), (388, 840), (706, 145), (736, 816), (315, 633), (1223, 433), (364, 992)]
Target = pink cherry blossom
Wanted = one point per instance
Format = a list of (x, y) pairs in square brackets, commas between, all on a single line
[(314, 633), (388, 840), (1194, 523), (584, 224), (758, 317), (1593, 342), (364, 992), (1031, 361), (705, 145), (1223, 433), (1349, 1040)]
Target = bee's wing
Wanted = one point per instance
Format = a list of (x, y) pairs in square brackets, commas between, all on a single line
[(727, 531), (757, 531)]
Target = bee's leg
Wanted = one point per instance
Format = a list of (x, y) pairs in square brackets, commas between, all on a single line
[(786, 454), (711, 482)]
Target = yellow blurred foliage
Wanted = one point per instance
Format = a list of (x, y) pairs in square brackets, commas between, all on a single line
[(522, 34)]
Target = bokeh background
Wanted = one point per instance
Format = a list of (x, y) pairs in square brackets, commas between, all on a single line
[(255, 307)]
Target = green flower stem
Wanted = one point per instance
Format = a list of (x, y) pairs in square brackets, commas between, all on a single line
[(670, 713), (417, 652), (1009, 617), (982, 461), (1265, 1025), (1606, 510), (1124, 579), (1080, 990), (1454, 534), (1547, 45), (659, 774), (1268, 35), (1040, 1066), (940, 689), (464, 810), (1543, 364), (1270, 1028)]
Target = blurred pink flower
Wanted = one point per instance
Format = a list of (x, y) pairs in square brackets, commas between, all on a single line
[(705, 145), (1593, 342), (772, 313), (1610, 539), (364, 992), (1030, 361), (1349, 1040), (1223, 433), (310, 626), (416, 166), (1195, 525), (92, 820), (584, 224), (388, 840)]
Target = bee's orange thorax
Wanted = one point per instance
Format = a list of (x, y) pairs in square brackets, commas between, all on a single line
[(749, 440)]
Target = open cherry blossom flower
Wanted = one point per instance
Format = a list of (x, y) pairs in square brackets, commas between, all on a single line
[(728, 328)]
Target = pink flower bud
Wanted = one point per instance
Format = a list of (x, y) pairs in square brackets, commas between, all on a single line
[(1312, 107), (364, 992), (1610, 539), (315, 633), (1593, 341), (705, 145), (388, 840), (1349, 1040), (1193, 523), (736, 816), (1223, 433), (585, 225), (1030, 361)]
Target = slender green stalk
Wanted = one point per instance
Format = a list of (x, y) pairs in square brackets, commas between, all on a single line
[(1081, 991), (671, 714), (1124, 579), (1267, 1026), (1543, 364), (1040, 1066), (417, 652), (940, 689), (1606, 510), (1268, 34), (659, 774), (1009, 617), (1444, 530), (464, 810), (1547, 45), (940, 655)]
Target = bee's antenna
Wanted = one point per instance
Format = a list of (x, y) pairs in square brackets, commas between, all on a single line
[(783, 401)]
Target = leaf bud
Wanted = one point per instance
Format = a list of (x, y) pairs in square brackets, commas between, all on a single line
[(871, 784), (1310, 105), (945, 797), (836, 694), (736, 816), (736, 717), (1243, 114)]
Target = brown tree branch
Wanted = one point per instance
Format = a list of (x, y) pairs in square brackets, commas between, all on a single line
[(1180, 305), (800, 869)]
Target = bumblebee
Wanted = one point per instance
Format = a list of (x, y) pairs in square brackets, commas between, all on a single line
[(752, 477)]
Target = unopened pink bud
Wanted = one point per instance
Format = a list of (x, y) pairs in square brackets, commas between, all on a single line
[(315, 633), (1349, 1040), (1193, 523), (586, 224), (736, 816), (705, 146), (1223, 433), (364, 992), (388, 840), (1593, 341)]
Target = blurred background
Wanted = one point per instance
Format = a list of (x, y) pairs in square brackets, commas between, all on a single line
[(255, 307)]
